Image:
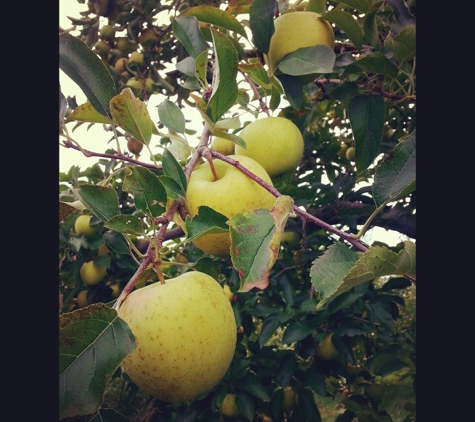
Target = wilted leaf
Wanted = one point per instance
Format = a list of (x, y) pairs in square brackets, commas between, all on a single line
[(149, 194), (131, 114), (93, 342), (85, 68), (255, 242), (87, 113), (366, 113), (396, 175), (102, 201)]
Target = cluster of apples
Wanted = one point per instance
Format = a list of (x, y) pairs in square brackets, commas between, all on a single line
[(185, 328)]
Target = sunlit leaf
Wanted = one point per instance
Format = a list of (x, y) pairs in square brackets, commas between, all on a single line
[(171, 116), (149, 193), (125, 224), (403, 45), (217, 17), (92, 342), (131, 114), (173, 169), (102, 201), (348, 24), (87, 113), (206, 221)]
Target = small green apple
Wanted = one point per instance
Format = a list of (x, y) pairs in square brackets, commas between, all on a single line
[(290, 240), (375, 391), (82, 225), (136, 57), (91, 274), (289, 399), (107, 32), (233, 193), (294, 30), (276, 143), (102, 49), (185, 333), (326, 350), (223, 146), (228, 406), (350, 153), (81, 299)]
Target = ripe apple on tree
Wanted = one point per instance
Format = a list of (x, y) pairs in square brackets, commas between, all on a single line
[(294, 30), (228, 406), (275, 143), (91, 274), (185, 333), (82, 225), (232, 193), (223, 146)]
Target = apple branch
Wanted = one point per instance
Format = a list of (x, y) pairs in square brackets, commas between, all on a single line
[(348, 237), (263, 105)]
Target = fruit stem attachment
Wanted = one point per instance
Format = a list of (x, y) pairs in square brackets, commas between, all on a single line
[(206, 154)]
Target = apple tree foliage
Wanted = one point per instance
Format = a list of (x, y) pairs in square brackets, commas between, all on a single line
[(209, 55)]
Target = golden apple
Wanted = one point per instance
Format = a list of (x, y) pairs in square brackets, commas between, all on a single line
[(294, 30), (185, 333), (229, 293), (326, 350), (223, 146), (228, 406), (233, 193), (91, 274), (81, 299), (289, 399), (82, 226), (350, 153), (275, 143)]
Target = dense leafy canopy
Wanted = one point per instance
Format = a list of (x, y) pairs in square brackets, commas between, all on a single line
[(330, 313)]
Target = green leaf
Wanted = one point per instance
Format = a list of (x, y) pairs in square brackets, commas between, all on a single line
[(255, 242), (307, 60), (201, 67), (366, 114), (306, 409), (403, 45), (230, 137), (395, 176), (131, 114), (328, 271), (125, 224), (296, 332), (269, 327), (173, 169), (116, 242), (217, 17), (293, 89), (87, 113), (225, 89), (253, 386), (348, 24), (187, 30), (92, 344), (102, 201), (379, 261), (317, 6), (261, 22), (245, 406), (370, 29), (375, 63), (86, 69), (257, 73), (171, 116), (206, 221), (149, 193)]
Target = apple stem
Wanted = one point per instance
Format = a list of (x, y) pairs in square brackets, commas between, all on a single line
[(206, 154)]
